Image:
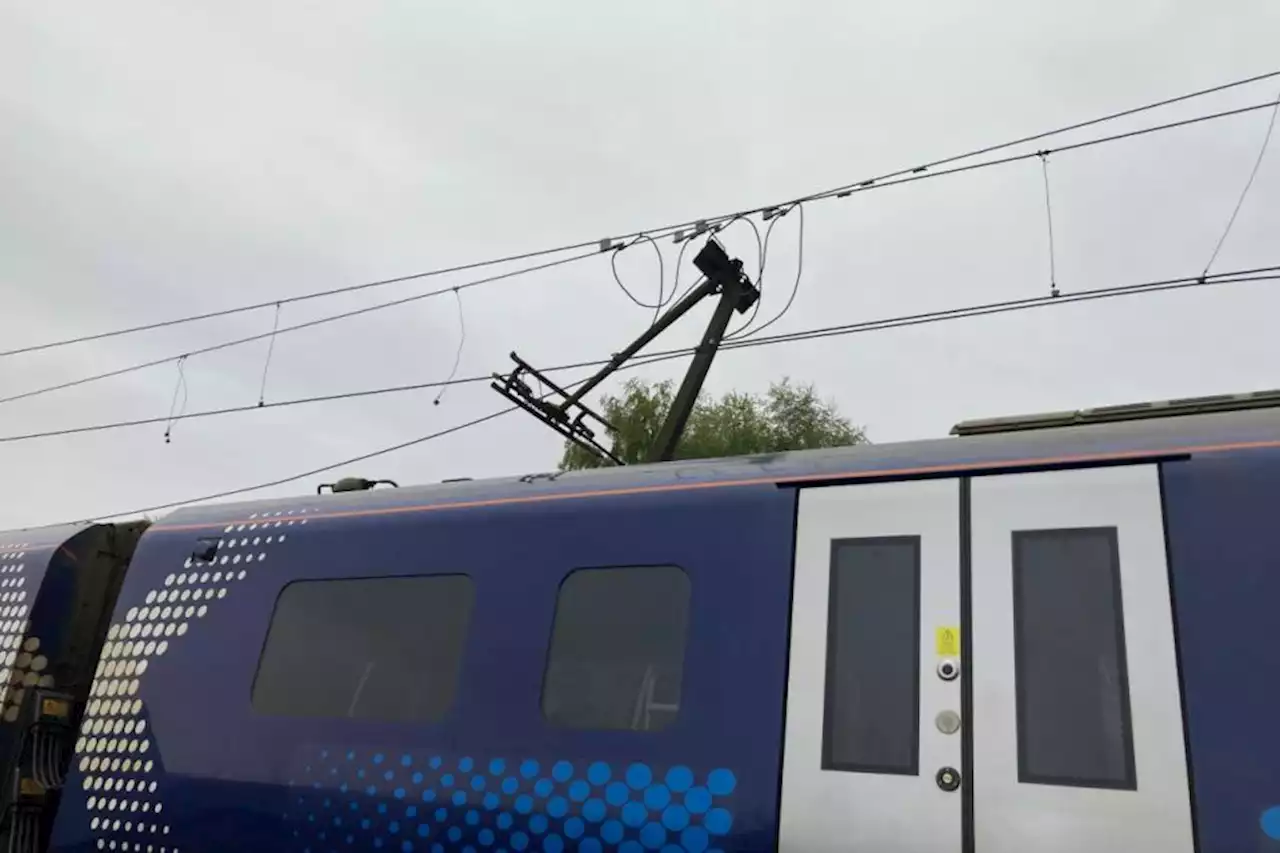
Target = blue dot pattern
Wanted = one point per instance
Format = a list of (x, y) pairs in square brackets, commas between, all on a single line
[(346, 800), (1270, 822)]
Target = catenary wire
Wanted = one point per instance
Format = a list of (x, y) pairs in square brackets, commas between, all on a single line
[(294, 477), (662, 274), (1248, 185), (1074, 146), (1001, 308), (1048, 213), (84, 380), (976, 311), (978, 152), (457, 355), (1232, 277), (795, 287), (665, 230), (271, 349), (227, 493), (675, 278), (760, 260), (764, 262), (861, 188), (287, 300)]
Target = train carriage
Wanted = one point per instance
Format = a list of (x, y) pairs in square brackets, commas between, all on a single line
[(1030, 636)]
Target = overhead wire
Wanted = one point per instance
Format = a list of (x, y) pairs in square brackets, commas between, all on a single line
[(852, 328), (675, 279), (368, 309), (795, 287), (760, 260), (908, 176), (867, 186), (174, 411), (1036, 137), (457, 355), (1248, 185), (303, 297), (755, 230), (662, 275), (1005, 307), (664, 230), (1268, 273), (1048, 212), (271, 349), (227, 493), (901, 179)]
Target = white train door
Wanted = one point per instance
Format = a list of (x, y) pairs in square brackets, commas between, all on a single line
[(877, 570), (984, 665)]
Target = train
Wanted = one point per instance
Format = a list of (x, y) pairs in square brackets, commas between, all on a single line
[(1051, 633)]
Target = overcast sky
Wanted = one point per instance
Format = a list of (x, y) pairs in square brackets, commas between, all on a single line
[(159, 159)]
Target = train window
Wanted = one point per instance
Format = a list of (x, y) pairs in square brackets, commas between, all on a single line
[(616, 659), (871, 719), (1073, 717), (368, 648)]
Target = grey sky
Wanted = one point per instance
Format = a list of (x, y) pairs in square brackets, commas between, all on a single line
[(158, 159)]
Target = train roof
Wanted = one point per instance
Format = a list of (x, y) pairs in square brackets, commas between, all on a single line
[(1022, 446), (37, 539)]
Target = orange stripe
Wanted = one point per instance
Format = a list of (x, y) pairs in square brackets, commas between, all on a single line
[(759, 481)]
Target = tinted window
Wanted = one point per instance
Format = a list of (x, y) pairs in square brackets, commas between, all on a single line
[(872, 718), (378, 648), (617, 649), (1072, 684)]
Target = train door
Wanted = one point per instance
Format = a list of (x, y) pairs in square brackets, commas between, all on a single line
[(984, 665)]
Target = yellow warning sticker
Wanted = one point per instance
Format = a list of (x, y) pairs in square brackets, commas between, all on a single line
[(948, 641), (55, 708)]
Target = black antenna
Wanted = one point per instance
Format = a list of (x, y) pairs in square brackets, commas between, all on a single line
[(722, 276)]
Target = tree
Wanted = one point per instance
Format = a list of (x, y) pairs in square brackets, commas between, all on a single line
[(788, 417)]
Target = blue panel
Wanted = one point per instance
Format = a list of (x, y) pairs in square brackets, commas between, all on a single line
[(493, 774), (1221, 512)]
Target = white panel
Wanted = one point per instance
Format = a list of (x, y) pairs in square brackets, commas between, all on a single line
[(1014, 816), (831, 810)]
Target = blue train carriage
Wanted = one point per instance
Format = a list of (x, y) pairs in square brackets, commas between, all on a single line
[(1053, 633), (56, 588)]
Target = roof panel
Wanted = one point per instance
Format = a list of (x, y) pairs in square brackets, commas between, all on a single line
[(1148, 435)]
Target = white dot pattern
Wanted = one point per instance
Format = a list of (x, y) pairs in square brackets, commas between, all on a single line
[(21, 664), (115, 751)]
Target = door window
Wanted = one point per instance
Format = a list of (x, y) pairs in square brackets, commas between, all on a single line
[(1072, 687), (871, 716)]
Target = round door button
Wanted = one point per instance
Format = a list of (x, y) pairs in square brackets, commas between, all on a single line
[(948, 669), (948, 778), (948, 722)]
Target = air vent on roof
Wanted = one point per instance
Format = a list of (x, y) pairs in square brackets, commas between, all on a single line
[(1130, 412)]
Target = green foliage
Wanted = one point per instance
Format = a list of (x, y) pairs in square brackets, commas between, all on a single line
[(788, 417)]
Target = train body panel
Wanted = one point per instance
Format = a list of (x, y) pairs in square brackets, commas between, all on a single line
[(1224, 541), (601, 660), (193, 698)]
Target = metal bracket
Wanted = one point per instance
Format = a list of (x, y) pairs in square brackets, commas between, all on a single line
[(555, 415)]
